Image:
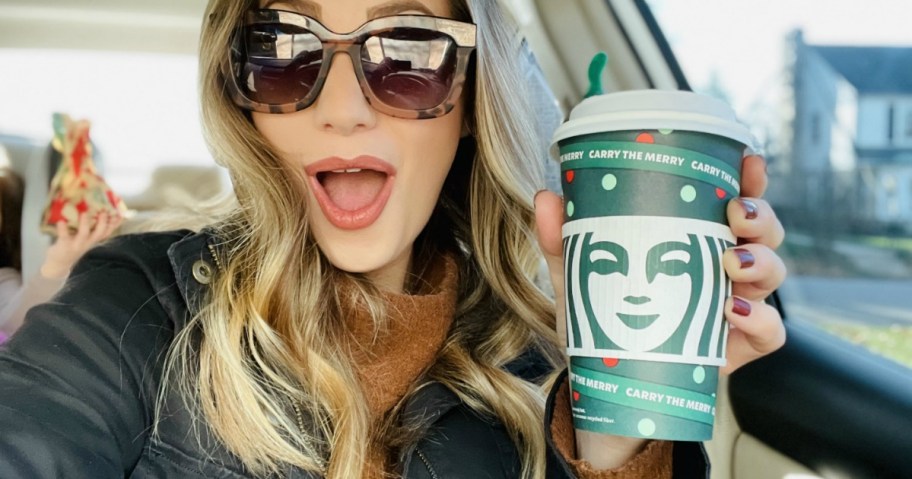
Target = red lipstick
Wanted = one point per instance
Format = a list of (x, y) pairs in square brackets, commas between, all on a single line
[(342, 178)]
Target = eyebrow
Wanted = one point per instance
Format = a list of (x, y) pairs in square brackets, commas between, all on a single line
[(305, 7), (394, 7), (397, 6)]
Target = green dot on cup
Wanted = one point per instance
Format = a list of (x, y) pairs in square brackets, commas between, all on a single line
[(609, 181), (699, 375), (569, 208), (665, 131), (646, 427), (688, 193)]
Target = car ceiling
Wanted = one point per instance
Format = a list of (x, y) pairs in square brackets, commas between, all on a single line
[(169, 26), (172, 26)]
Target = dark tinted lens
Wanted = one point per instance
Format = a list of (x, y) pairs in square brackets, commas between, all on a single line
[(409, 68), (282, 64)]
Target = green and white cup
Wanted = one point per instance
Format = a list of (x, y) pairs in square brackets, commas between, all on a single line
[(646, 177)]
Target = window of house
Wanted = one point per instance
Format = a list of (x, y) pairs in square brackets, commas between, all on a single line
[(891, 114), (815, 128), (907, 124)]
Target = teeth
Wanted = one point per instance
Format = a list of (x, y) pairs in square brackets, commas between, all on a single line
[(347, 170)]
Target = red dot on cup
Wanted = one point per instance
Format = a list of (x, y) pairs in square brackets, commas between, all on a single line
[(576, 395), (720, 193), (610, 362), (570, 175), (645, 138)]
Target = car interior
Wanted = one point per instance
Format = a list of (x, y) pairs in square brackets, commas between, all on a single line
[(819, 407)]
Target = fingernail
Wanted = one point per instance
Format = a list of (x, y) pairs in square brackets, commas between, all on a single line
[(750, 208), (745, 257), (535, 196), (740, 306)]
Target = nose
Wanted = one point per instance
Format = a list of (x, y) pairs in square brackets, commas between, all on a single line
[(341, 106)]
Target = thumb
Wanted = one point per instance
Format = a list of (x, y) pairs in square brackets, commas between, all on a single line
[(549, 216)]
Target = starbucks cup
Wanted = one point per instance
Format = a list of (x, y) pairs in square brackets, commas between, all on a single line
[(646, 177)]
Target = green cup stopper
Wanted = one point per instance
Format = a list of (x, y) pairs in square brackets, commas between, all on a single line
[(596, 67)]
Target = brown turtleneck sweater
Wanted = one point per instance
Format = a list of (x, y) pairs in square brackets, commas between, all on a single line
[(391, 361)]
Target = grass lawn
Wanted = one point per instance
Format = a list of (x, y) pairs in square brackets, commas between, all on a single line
[(894, 342), (898, 243)]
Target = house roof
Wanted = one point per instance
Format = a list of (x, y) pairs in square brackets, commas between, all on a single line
[(872, 69)]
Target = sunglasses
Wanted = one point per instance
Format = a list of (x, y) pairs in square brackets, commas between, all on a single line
[(408, 66)]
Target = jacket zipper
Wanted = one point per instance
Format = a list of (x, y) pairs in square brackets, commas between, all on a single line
[(215, 258), (427, 463)]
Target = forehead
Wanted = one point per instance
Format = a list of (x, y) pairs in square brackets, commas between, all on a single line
[(346, 15)]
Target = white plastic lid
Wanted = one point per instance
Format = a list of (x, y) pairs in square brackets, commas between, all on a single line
[(653, 110)]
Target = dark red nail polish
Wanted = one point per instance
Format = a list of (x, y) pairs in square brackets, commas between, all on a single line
[(740, 306), (750, 208), (745, 257)]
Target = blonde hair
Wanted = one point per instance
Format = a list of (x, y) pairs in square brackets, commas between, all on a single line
[(266, 345)]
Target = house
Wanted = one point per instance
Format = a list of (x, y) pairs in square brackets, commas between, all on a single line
[(848, 139)]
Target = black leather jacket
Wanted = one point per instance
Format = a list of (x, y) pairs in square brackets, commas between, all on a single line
[(78, 383)]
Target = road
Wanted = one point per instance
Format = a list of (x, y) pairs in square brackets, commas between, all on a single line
[(869, 301)]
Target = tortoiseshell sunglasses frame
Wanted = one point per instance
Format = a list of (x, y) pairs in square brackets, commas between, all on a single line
[(462, 33)]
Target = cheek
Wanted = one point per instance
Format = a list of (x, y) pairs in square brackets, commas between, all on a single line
[(429, 151), (277, 129)]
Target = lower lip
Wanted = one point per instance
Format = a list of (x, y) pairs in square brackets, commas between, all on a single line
[(355, 219), (638, 321)]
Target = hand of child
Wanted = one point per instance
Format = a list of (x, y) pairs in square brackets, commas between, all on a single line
[(71, 245)]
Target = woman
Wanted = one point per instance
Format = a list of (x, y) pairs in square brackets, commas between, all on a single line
[(369, 307)]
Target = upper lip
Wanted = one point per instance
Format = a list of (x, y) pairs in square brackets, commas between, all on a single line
[(364, 162)]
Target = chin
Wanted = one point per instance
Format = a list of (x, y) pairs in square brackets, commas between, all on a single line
[(359, 251), (355, 256)]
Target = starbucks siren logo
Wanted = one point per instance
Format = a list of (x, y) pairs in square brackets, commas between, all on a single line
[(657, 294)]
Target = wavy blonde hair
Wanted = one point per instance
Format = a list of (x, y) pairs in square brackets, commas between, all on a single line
[(266, 344)]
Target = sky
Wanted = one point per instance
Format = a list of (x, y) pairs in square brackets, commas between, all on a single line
[(742, 42)]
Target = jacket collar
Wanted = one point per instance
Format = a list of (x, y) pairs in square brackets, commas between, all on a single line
[(195, 264)]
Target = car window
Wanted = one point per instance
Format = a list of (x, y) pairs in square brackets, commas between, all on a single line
[(829, 99), (143, 107)]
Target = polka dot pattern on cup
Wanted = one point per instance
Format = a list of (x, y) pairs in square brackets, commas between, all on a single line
[(646, 427), (688, 193)]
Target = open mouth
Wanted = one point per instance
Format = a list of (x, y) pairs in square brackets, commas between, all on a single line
[(351, 193), (638, 321), (352, 189)]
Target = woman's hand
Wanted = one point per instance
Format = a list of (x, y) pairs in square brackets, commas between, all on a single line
[(70, 246), (755, 270), (753, 266)]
